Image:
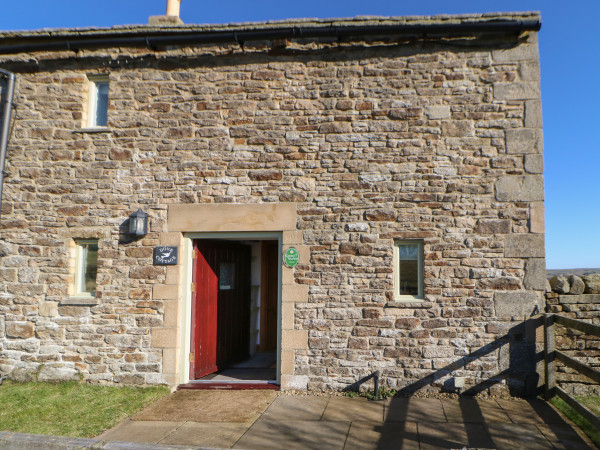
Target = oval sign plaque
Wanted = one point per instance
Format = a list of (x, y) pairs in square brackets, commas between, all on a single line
[(291, 257)]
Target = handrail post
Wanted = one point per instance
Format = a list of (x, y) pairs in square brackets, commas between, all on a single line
[(549, 356), (376, 376)]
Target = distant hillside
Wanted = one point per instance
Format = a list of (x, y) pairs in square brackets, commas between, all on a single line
[(553, 272)]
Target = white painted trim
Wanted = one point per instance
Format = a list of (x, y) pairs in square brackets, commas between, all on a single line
[(186, 292), (236, 235), (279, 308), (186, 305), (80, 266), (408, 298), (93, 81)]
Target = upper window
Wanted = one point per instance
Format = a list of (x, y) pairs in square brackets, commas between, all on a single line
[(408, 262), (98, 102), (86, 268)]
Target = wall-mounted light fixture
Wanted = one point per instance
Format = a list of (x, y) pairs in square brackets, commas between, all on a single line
[(138, 223)]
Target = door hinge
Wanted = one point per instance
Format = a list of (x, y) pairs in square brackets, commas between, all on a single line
[(193, 287), (194, 254), (191, 357)]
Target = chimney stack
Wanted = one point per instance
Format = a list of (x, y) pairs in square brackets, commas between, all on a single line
[(173, 7), (170, 18)]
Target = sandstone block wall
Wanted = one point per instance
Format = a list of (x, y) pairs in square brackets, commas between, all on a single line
[(578, 298), (373, 141)]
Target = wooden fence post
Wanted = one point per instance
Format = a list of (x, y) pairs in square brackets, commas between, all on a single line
[(549, 356)]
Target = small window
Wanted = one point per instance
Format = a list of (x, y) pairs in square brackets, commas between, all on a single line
[(86, 268), (98, 102), (226, 276), (408, 262)]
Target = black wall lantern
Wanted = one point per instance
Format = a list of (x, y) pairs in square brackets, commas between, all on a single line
[(138, 223)]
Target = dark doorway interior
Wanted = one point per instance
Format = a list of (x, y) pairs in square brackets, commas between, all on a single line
[(234, 310)]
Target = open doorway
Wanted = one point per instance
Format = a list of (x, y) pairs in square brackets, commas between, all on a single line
[(234, 311)]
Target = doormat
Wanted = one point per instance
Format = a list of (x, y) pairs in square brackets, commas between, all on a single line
[(259, 360), (208, 406)]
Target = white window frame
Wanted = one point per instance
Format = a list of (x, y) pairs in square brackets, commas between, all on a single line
[(404, 297), (94, 81), (80, 268)]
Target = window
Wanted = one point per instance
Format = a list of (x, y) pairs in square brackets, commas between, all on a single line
[(86, 268), (98, 102), (226, 276), (408, 262)]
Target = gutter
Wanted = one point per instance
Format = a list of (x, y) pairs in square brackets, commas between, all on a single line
[(6, 108), (156, 39)]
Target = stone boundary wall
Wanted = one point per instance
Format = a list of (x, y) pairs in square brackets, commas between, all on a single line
[(578, 298)]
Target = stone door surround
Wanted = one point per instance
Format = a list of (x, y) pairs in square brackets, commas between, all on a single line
[(211, 218)]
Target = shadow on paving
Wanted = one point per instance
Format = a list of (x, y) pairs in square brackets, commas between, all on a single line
[(474, 423), (409, 423), (263, 420), (478, 423), (307, 422)]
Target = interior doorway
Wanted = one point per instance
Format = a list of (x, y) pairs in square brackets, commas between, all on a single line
[(234, 310)]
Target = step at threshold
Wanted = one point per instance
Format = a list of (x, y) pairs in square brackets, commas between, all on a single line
[(230, 385)]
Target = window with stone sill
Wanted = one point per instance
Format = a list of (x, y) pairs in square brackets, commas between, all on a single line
[(97, 113), (408, 270), (86, 267)]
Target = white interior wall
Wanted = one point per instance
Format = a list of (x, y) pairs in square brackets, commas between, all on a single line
[(255, 271)]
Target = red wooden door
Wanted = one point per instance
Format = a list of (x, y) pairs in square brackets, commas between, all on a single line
[(221, 305)]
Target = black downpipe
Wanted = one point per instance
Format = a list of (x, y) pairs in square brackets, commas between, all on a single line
[(6, 108), (161, 39)]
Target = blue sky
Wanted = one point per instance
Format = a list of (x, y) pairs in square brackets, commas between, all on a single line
[(569, 53)]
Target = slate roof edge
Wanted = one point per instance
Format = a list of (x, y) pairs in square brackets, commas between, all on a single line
[(383, 21)]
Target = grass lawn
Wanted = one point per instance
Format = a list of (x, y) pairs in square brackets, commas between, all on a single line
[(71, 408), (592, 403)]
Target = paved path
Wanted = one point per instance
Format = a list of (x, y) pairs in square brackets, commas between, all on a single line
[(306, 422)]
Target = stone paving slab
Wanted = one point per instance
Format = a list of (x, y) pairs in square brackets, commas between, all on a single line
[(295, 434), (133, 431), (24, 441), (389, 435), (530, 411), (414, 410), (563, 436), (474, 410), (436, 435), (350, 409), (493, 412), (208, 434), (515, 435), (298, 408), (134, 446)]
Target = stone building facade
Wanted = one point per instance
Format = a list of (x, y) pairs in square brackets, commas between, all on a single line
[(338, 138)]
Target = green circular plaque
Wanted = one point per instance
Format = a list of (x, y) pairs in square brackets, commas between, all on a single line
[(291, 257)]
